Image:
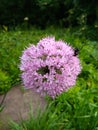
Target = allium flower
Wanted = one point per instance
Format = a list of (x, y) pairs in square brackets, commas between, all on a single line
[(50, 67)]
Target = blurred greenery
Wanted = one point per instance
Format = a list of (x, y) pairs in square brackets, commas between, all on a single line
[(46, 12), (14, 42), (76, 109)]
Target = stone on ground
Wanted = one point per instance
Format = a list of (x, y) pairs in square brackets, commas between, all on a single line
[(18, 104)]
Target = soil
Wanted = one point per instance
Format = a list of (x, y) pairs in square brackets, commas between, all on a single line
[(18, 104)]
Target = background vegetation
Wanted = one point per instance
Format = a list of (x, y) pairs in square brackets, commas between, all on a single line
[(14, 42), (44, 12)]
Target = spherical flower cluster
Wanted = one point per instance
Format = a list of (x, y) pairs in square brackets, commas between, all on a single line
[(50, 67)]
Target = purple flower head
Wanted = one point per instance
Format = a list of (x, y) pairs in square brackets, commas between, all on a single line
[(50, 67)]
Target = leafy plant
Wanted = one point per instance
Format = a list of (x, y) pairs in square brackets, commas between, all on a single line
[(4, 82), (77, 109), (41, 121)]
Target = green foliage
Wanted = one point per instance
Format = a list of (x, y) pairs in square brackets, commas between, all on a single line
[(76, 109), (44, 12), (46, 120), (12, 44), (4, 82)]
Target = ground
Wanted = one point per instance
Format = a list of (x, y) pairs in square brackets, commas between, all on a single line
[(18, 103)]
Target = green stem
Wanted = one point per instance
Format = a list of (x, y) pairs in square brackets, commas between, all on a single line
[(3, 99)]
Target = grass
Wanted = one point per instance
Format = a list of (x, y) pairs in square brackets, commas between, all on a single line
[(76, 109), (42, 121)]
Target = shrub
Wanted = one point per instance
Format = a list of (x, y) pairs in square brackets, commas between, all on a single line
[(4, 82)]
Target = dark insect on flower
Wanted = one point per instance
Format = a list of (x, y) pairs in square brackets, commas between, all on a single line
[(76, 51)]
